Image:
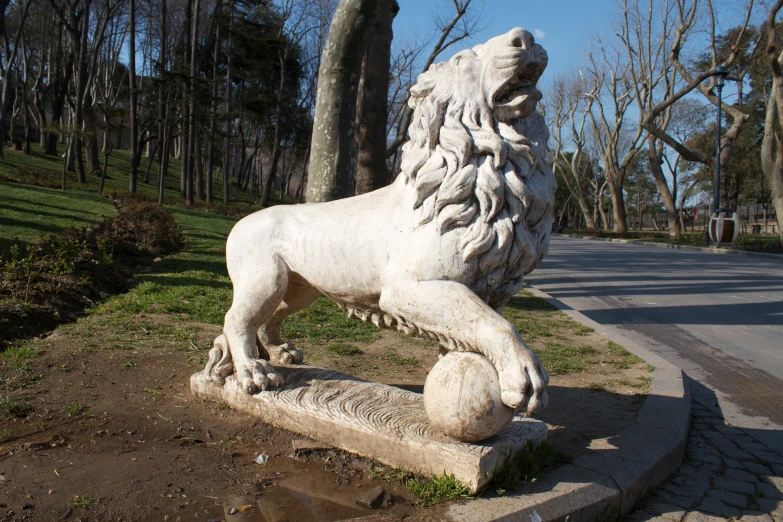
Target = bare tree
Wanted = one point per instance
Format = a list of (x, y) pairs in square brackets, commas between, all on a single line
[(569, 109), (608, 84), (663, 79)]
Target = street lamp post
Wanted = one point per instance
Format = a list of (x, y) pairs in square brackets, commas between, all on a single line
[(723, 225)]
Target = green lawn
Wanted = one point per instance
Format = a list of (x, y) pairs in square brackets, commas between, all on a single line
[(40, 169), (27, 213)]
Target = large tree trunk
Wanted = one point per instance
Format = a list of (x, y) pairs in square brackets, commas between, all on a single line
[(372, 109), (618, 203), (134, 138), (333, 154), (93, 162), (654, 151), (772, 145)]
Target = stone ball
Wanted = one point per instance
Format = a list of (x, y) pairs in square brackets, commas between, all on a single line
[(462, 397)]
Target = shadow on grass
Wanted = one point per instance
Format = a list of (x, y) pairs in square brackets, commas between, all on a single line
[(177, 280), (529, 303), (175, 266), (32, 225)]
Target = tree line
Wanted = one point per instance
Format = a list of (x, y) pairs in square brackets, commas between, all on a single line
[(634, 123), (229, 87)]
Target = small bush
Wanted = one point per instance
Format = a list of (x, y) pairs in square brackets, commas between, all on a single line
[(751, 244), (54, 280), (141, 227)]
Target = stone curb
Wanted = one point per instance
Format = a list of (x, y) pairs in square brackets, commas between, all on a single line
[(710, 250), (619, 470)]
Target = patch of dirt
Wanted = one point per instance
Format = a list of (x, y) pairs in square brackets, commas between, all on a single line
[(141, 447), (115, 434)]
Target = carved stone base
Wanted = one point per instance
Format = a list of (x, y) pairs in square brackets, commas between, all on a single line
[(374, 420)]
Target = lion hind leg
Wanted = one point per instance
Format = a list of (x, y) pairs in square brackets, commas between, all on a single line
[(297, 297), (220, 365), (257, 293)]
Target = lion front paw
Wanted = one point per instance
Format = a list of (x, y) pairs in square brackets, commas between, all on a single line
[(285, 353), (523, 382), (256, 375)]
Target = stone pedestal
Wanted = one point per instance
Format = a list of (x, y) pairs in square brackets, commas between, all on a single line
[(374, 420)]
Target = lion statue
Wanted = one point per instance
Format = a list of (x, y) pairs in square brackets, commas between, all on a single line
[(437, 253)]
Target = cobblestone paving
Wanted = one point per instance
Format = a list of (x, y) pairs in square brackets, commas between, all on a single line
[(726, 475)]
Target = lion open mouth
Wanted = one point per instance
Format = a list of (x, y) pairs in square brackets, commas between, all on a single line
[(519, 95)]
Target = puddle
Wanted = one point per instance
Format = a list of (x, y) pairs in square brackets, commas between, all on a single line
[(291, 491)]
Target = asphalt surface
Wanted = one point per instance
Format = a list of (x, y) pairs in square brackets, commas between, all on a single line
[(718, 317)]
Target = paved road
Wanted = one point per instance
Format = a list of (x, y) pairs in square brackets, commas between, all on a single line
[(718, 317)]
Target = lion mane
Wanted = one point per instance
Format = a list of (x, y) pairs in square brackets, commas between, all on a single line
[(487, 179)]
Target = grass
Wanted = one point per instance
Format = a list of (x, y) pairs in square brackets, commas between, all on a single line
[(343, 349), (433, 490), (28, 213), (10, 407), (624, 358), (82, 502), (324, 321), (428, 491), (74, 408), (400, 361), (536, 318), (526, 465), (560, 359)]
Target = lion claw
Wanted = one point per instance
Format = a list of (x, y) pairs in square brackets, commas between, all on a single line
[(256, 375)]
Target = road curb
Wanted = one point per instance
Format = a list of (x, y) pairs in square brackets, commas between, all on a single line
[(709, 250), (619, 470)]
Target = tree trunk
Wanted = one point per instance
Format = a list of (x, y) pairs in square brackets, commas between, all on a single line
[(213, 114), (163, 162), (654, 151), (333, 155), (191, 151), (229, 116), (618, 205), (134, 143), (372, 109), (184, 140), (276, 145)]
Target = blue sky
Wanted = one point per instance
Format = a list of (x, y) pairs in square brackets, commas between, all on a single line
[(563, 27)]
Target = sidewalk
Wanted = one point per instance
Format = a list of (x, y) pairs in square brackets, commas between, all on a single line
[(711, 250), (727, 472)]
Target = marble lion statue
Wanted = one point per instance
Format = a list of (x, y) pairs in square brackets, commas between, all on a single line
[(438, 253)]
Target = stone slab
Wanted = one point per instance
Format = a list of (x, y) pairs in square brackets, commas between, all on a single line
[(374, 420)]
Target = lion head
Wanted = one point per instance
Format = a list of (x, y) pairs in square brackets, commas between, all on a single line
[(476, 159)]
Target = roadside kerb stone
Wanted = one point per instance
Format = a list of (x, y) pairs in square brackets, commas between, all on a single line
[(710, 250), (568, 491), (620, 469)]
